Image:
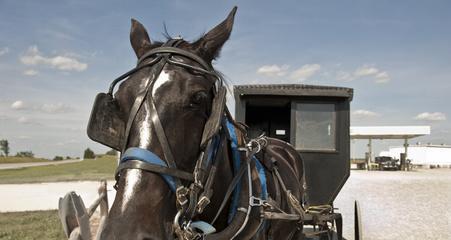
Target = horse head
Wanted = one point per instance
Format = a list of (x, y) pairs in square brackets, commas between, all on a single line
[(164, 104)]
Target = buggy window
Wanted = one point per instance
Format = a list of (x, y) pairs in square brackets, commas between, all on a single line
[(315, 126)]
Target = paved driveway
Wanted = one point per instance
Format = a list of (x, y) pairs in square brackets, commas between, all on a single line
[(44, 196), (23, 165)]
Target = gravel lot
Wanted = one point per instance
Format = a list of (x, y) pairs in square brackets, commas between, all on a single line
[(398, 205), (394, 205)]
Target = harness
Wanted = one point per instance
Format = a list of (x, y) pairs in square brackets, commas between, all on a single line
[(109, 127)]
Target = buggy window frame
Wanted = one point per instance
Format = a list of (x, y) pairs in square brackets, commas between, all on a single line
[(294, 130)]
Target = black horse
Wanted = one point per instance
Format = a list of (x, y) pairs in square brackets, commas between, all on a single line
[(171, 109)]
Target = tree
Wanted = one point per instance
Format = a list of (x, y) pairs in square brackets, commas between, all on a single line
[(4, 146), (28, 154), (89, 154), (58, 158), (112, 152)]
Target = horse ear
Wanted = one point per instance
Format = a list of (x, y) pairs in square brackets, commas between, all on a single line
[(139, 38), (211, 43)]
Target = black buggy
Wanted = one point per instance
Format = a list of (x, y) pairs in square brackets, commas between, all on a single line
[(315, 120)]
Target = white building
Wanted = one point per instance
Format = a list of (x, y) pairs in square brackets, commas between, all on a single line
[(423, 154)]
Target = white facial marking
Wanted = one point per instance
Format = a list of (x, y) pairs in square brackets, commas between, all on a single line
[(132, 178), (163, 78), (144, 130)]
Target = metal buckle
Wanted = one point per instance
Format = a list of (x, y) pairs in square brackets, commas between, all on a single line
[(257, 144), (181, 193), (203, 202), (257, 202)]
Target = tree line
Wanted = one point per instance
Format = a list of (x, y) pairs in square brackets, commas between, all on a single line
[(87, 154)]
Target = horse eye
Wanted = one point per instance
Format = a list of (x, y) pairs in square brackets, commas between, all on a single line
[(198, 98)]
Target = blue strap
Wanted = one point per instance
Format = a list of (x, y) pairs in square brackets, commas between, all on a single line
[(147, 156), (213, 149), (262, 177), (236, 166), (264, 195)]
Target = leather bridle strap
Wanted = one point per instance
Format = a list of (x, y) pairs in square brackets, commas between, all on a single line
[(163, 56), (127, 74), (176, 51), (159, 130), (137, 164)]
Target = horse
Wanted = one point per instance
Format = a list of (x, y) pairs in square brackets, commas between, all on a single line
[(187, 169)]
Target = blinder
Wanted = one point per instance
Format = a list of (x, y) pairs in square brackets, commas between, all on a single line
[(106, 124)]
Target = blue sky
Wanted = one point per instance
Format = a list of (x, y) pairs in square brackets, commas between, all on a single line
[(56, 55)]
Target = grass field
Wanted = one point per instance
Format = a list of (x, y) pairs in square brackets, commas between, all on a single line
[(90, 169), (21, 160), (30, 225)]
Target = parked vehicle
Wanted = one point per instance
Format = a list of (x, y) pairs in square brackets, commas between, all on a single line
[(387, 163)]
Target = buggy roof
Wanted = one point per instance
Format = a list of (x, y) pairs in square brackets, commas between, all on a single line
[(293, 90)]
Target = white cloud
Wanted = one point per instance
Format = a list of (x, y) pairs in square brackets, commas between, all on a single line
[(305, 72), (382, 77), (273, 70), (433, 116), (18, 105), (52, 108), (56, 108), (344, 76), (24, 137), (365, 71), (4, 51), (301, 73), (30, 72), (23, 120), (364, 113), (66, 63), (28, 121)]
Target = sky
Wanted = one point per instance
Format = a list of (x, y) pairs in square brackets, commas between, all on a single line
[(56, 55)]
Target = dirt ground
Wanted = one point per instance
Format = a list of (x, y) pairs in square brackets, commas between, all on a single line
[(398, 205)]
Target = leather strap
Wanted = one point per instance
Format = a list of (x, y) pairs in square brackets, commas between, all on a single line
[(134, 70), (137, 164), (159, 130), (140, 99), (236, 179), (176, 51)]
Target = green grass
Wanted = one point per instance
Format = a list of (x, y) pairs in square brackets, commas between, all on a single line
[(30, 225), (89, 169), (21, 160)]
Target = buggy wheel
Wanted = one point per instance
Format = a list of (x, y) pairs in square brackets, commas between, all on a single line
[(357, 222)]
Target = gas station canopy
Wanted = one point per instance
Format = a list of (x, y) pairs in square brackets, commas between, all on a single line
[(389, 132)]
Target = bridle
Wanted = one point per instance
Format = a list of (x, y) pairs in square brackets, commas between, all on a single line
[(191, 200)]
